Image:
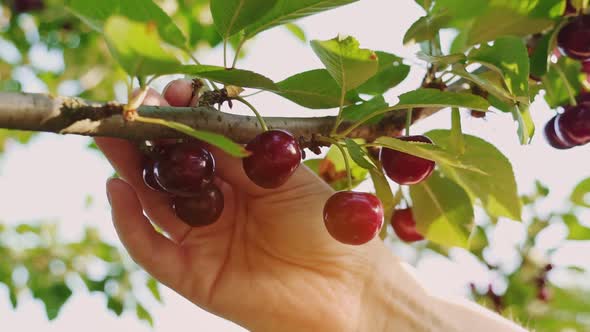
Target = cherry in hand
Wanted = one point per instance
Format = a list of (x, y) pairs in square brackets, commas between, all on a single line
[(574, 38), (200, 210), (406, 169), (275, 157), (404, 225), (185, 169), (352, 217)]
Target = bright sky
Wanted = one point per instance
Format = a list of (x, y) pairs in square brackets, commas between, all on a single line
[(50, 179)]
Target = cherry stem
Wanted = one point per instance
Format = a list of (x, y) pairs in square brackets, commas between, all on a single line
[(238, 49), (409, 120), (258, 116), (339, 117)]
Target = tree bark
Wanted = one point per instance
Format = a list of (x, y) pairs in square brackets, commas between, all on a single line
[(67, 115)]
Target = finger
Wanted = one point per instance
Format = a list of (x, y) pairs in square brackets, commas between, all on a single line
[(159, 256), (179, 93), (127, 161)]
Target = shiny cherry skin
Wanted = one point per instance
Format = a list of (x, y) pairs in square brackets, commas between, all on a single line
[(275, 155), (552, 138), (185, 169), (404, 225), (201, 210), (149, 178), (404, 168), (353, 218), (574, 38), (573, 126)]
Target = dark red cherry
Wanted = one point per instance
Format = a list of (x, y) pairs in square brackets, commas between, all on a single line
[(573, 126), (553, 139), (23, 6), (185, 169), (574, 38), (200, 210), (149, 177), (404, 225), (404, 168), (275, 157), (353, 218)]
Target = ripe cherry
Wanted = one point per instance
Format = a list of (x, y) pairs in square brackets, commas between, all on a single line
[(574, 38), (149, 177), (404, 168), (553, 139), (352, 217), (185, 169), (573, 126), (200, 210), (404, 225), (275, 157)]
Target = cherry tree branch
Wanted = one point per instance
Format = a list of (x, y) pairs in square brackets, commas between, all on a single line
[(67, 115)]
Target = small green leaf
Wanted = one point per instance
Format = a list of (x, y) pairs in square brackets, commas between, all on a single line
[(287, 11), (495, 185), (562, 82), (152, 285), (143, 314), (231, 16), (443, 211), (581, 194), (315, 89), (237, 77), (478, 241), (115, 305), (392, 71), (443, 60), (358, 154), (296, 31), (54, 297), (356, 112), (426, 28), (577, 232), (348, 64), (436, 98)]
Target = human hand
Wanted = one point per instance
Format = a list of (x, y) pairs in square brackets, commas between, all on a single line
[(267, 264)]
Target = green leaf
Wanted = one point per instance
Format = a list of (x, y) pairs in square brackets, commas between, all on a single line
[(97, 13), (509, 55), (53, 297), (391, 72), (495, 186), (443, 211), (152, 285), (237, 77), (577, 232), (478, 241), (115, 305), (581, 194), (231, 16), (138, 47), (143, 314), (287, 11), (93, 285), (220, 141), (296, 31), (540, 59), (356, 112), (436, 98), (562, 80), (315, 89), (426, 28), (443, 60), (358, 154), (348, 64)]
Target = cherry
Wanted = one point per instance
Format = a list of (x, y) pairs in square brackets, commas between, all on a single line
[(353, 218), (552, 137), (185, 169), (573, 126), (149, 177), (574, 38), (275, 157), (404, 168), (203, 209), (404, 225), (23, 6)]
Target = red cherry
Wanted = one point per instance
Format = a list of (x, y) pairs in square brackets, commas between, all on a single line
[(275, 157), (574, 38), (404, 225), (185, 169), (404, 168), (149, 177), (552, 138), (201, 210), (573, 126), (353, 218)]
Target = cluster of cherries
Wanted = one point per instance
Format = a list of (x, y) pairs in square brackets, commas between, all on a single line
[(356, 218), (572, 127)]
